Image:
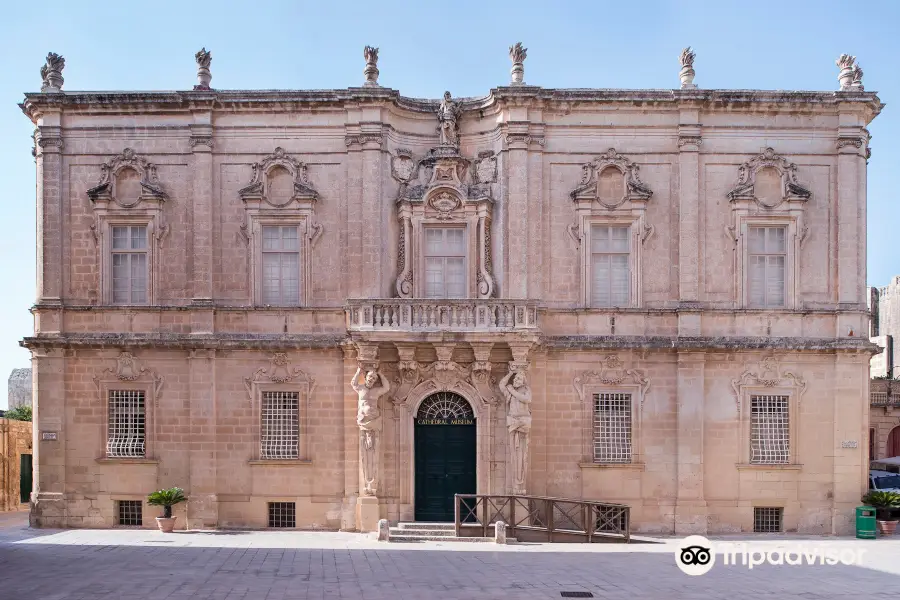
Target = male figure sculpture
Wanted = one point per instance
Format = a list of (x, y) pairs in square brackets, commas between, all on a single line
[(518, 423), (368, 418), (448, 114)]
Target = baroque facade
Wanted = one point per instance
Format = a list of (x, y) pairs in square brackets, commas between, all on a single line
[(322, 308)]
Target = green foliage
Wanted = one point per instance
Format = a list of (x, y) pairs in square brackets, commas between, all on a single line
[(167, 499), (884, 502), (19, 413)]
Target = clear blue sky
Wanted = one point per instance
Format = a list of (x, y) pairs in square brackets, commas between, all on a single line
[(427, 47)]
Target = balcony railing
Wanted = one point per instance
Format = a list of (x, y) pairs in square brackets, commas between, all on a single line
[(441, 315), (883, 399)]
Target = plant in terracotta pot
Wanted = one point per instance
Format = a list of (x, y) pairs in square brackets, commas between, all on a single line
[(884, 504), (167, 499)]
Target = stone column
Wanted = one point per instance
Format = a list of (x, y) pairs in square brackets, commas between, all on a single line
[(518, 397), (689, 206), (48, 505), (851, 173), (690, 505), (850, 398), (50, 263), (203, 505), (515, 235), (370, 447), (374, 241), (202, 225)]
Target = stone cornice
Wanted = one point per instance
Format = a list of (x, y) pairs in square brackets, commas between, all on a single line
[(288, 100), (176, 341), (706, 343)]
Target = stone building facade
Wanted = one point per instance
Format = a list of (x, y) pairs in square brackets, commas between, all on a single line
[(884, 330), (15, 460), (320, 308), (19, 388)]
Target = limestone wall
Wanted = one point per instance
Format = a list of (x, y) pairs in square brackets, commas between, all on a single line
[(19, 388), (15, 440)]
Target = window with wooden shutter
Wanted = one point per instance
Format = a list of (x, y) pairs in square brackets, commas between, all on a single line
[(445, 262), (281, 265), (610, 266), (129, 264), (766, 266)]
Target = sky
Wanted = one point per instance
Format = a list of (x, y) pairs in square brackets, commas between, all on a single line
[(426, 48)]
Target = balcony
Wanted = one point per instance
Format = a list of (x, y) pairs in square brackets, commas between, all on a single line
[(883, 399), (425, 315)]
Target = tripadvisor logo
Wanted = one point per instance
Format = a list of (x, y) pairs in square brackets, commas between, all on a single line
[(696, 555)]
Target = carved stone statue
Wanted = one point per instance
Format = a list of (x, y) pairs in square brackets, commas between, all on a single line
[(847, 64), (687, 69), (51, 73), (204, 59), (517, 54), (368, 418), (857, 78), (448, 115), (518, 423), (371, 70)]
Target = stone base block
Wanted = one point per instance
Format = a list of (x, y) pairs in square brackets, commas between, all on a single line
[(691, 517), (367, 513)]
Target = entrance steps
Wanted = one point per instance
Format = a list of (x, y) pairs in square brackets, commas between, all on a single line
[(430, 532)]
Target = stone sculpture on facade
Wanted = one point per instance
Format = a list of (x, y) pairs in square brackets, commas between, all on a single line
[(204, 59), (371, 70), (857, 78), (517, 55), (518, 423), (448, 116), (51, 73), (847, 64), (687, 69), (368, 418)]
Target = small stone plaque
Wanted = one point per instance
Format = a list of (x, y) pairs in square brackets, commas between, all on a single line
[(849, 444), (49, 436)]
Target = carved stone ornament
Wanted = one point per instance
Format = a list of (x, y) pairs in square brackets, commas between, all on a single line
[(517, 54), (128, 368), (687, 69), (634, 189), (768, 373), (448, 114), (51, 73), (117, 178), (790, 190), (486, 167), (444, 203), (279, 370), (403, 166), (613, 372), (204, 77), (371, 70), (857, 83), (846, 63), (262, 184)]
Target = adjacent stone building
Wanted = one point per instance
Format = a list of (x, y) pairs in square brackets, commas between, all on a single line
[(884, 303), (19, 388), (317, 308), (15, 464)]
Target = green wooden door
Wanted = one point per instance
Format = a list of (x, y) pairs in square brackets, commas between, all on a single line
[(445, 465), (25, 478)]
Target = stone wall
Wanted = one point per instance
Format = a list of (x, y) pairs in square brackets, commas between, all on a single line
[(885, 307), (19, 388), (15, 440)]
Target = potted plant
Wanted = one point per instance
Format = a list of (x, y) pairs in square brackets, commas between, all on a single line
[(167, 499), (884, 503)]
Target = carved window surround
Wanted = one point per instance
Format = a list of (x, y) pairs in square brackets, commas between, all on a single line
[(445, 201), (279, 193), (780, 205), (768, 378), (128, 375), (594, 207), (129, 193), (612, 377), (280, 376)]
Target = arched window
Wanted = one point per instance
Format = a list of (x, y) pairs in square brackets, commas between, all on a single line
[(893, 443), (445, 405)]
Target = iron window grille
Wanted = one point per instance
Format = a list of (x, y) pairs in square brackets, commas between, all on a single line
[(131, 513), (769, 430), (612, 428), (280, 425), (283, 514), (768, 519), (126, 427)]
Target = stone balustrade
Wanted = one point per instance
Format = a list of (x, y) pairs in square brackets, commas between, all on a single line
[(398, 314)]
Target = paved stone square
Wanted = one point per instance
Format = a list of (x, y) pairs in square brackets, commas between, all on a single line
[(243, 565)]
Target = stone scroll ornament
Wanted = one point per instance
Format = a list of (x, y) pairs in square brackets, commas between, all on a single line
[(368, 418), (518, 423)]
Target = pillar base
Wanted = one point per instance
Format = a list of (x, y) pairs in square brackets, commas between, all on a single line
[(202, 511), (367, 513), (691, 517)]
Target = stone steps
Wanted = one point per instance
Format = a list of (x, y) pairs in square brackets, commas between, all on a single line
[(430, 532)]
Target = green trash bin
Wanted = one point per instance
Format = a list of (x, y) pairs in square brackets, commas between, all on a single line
[(865, 522)]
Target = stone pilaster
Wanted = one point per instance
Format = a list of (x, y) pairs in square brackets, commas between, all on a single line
[(202, 227), (48, 506), (851, 424), (48, 157), (689, 206), (690, 505), (203, 504), (851, 190), (366, 143), (516, 215)]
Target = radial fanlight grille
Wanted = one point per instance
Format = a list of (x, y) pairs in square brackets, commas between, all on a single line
[(445, 405)]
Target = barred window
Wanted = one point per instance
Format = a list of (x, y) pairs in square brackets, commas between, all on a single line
[(129, 264), (283, 514), (126, 433), (281, 265), (280, 425), (612, 428), (768, 519), (766, 262), (130, 513), (610, 272), (769, 430)]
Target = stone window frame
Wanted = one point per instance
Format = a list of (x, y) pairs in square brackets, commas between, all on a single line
[(637, 393), (302, 388), (256, 220), (636, 235), (105, 223), (151, 396), (420, 227), (745, 418), (793, 244)]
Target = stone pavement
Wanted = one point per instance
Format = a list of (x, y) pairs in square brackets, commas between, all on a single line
[(274, 565)]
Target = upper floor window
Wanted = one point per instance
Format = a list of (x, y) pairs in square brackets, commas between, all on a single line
[(767, 258), (280, 265), (610, 265), (129, 264), (445, 262)]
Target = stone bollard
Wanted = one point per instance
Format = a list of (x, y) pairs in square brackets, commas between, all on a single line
[(500, 532), (384, 530)]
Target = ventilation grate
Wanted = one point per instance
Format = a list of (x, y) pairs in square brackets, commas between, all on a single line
[(576, 594), (767, 519), (283, 514), (131, 513)]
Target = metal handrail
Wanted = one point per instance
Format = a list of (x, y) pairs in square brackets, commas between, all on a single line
[(552, 518)]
